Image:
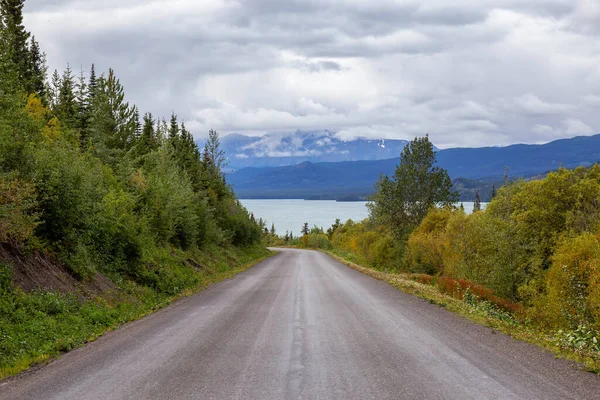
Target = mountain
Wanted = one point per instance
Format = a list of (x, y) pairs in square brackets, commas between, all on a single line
[(355, 179), (285, 149)]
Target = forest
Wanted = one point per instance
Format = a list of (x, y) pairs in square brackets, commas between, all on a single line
[(90, 183)]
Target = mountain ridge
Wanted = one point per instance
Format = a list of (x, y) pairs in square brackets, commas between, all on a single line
[(357, 178)]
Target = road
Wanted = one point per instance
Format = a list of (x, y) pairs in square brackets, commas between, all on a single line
[(303, 326)]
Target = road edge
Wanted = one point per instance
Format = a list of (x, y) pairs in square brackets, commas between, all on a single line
[(519, 331)]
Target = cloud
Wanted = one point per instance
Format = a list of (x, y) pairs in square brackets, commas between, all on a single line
[(533, 105), (468, 73)]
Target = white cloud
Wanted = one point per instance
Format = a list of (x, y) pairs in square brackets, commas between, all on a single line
[(469, 73)]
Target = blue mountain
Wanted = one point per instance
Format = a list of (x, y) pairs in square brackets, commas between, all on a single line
[(357, 178), (285, 149)]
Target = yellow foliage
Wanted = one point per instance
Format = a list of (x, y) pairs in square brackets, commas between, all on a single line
[(574, 281), (36, 110), (52, 130)]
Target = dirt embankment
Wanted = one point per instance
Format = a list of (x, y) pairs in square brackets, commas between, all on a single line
[(44, 271)]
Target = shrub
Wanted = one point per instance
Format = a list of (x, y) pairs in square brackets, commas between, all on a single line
[(574, 282)]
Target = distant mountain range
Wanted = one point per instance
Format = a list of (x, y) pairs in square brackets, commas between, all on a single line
[(284, 149), (476, 168)]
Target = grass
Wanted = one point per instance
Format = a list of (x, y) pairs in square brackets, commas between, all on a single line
[(38, 326), (578, 346)]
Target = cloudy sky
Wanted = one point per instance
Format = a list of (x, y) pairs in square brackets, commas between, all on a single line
[(468, 72)]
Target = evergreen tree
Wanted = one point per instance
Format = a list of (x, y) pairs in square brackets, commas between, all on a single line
[(148, 141), (137, 123), (83, 108), (305, 229), (54, 94), (493, 191), (112, 126), (477, 204), (213, 148), (173, 138), (272, 229), (39, 70), (93, 84), (11, 12), (66, 109)]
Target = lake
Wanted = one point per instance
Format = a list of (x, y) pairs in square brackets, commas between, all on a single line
[(290, 215)]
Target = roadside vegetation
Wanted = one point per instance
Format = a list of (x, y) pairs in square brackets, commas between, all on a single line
[(530, 260), (90, 185)]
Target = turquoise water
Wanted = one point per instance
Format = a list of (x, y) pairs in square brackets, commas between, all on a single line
[(290, 215)]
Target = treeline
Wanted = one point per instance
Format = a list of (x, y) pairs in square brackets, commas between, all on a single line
[(536, 245), (84, 174)]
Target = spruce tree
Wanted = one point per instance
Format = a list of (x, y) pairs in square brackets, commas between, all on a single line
[(174, 133), (112, 126), (83, 108), (66, 109), (493, 191), (37, 62), (137, 123), (55, 86), (93, 83), (11, 12), (305, 229), (477, 203), (272, 229), (148, 141)]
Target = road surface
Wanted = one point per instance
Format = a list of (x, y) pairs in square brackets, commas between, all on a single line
[(302, 326)]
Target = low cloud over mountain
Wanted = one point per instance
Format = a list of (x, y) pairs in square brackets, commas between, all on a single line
[(281, 149)]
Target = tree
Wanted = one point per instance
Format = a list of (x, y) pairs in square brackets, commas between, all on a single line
[(11, 12), (402, 201), (112, 124), (93, 83), (477, 204), (336, 225), (214, 151), (272, 229), (66, 108), (493, 191), (83, 108), (54, 94), (148, 140), (37, 62), (173, 129), (305, 229)]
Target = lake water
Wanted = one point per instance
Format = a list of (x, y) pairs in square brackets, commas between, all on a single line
[(290, 215)]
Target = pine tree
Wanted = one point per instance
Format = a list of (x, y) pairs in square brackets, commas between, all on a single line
[(477, 203), (272, 229), (493, 191)]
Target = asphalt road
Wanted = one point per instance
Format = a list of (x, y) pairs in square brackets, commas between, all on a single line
[(302, 326)]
